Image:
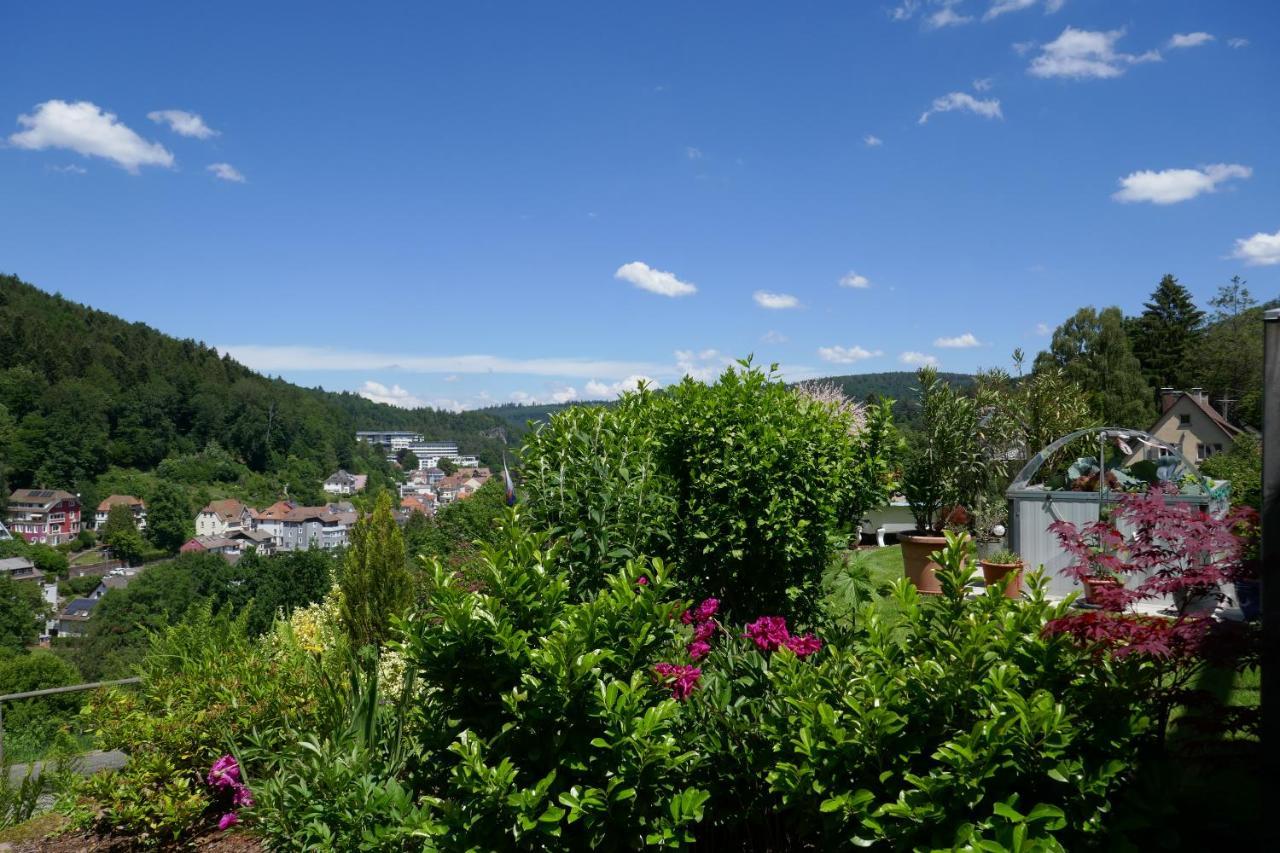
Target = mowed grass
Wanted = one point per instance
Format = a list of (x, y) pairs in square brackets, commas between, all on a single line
[(885, 563)]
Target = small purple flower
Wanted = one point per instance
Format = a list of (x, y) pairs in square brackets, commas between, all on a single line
[(768, 632), (228, 820), (698, 649), (803, 646), (642, 581), (225, 772), (706, 610)]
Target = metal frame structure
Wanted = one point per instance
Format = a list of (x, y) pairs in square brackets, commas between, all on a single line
[(53, 691)]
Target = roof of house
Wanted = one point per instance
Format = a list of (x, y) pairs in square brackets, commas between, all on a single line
[(79, 608), (228, 509), (251, 535), (112, 500), (341, 476), (40, 497), (16, 564)]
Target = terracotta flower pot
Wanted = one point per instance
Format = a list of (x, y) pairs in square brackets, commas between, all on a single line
[(996, 574), (1093, 584), (917, 565)]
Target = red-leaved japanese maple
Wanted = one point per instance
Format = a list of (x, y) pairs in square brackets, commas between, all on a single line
[(1157, 549)]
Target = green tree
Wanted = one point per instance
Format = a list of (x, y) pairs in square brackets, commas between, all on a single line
[(1093, 350), (1242, 465), (375, 581), (448, 466), (1168, 329), (120, 534), (19, 609), (170, 518), (407, 459), (282, 582), (1227, 360)]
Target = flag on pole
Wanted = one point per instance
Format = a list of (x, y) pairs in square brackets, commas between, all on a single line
[(506, 478)]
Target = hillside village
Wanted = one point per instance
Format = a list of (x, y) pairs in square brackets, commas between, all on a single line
[(229, 527)]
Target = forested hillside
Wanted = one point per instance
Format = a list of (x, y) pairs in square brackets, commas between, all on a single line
[(85, 394)]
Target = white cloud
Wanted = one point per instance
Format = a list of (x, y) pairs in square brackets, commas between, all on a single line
[(772, 337), (702, 365), (609, 390), (183, 123), (563, 394), (857, 282), (1261, 250), (872, 141), (774, 301), (693, 153), (1084, 53), (1043, 330), (1051, 6), (1022, 48), (964, 341), (904, 10), (965, 102), (1237, 43), (275, 359), (647, 278), (226, 172), (1189, 40), (847, 355), (1174, 185), (918, 359), (393, 396), (982, 84), (946, 17), (70, 169), (85, 128), (1000, 7)]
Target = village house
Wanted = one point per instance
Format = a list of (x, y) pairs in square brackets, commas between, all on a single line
[(225, 546), (135, 504), (74, 620), (423, 503), (19, 569), (299, 528), (220, 517), (343, 483), (46, 516), (1190, 423)]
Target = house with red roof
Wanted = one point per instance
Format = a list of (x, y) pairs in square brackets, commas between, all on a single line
[(46, 516)]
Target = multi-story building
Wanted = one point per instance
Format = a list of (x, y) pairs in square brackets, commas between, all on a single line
[(388, 437), (104, 509), (299, 528), (221, 517), (343, 483), (47, 516)]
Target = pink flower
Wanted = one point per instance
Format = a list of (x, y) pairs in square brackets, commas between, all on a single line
[(706, 610), (243, 797), (705, 630), (698, 649), (768, 632), (225, 772), (228, 820), (682, 679), (686, 617), (803, 646), (642, 581)]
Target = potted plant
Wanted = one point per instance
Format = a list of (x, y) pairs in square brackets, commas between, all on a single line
[(936, 461), (1003, 570)]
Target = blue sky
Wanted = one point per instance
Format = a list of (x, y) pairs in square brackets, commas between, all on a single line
[(468, 203)]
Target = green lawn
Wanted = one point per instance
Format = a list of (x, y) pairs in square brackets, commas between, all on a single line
[(885, 563)]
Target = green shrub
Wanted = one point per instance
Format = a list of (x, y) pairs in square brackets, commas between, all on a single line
[(739, 483), (205, 685)]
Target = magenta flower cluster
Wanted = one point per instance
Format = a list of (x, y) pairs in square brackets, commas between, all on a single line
[(702, 618), (683, 679), (770, 633), (224, 778)]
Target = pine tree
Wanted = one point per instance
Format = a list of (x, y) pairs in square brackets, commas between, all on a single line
[(375, 580), (170, 519), (1093, 350), (1170, 327)]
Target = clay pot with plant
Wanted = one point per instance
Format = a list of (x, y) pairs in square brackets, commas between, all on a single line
[(935, 469), (1003, 570)]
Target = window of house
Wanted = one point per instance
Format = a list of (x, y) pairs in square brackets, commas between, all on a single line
[(1200, 451), (1184, 421)]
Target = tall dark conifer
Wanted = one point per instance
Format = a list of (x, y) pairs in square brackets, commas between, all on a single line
[(1169, 327)]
